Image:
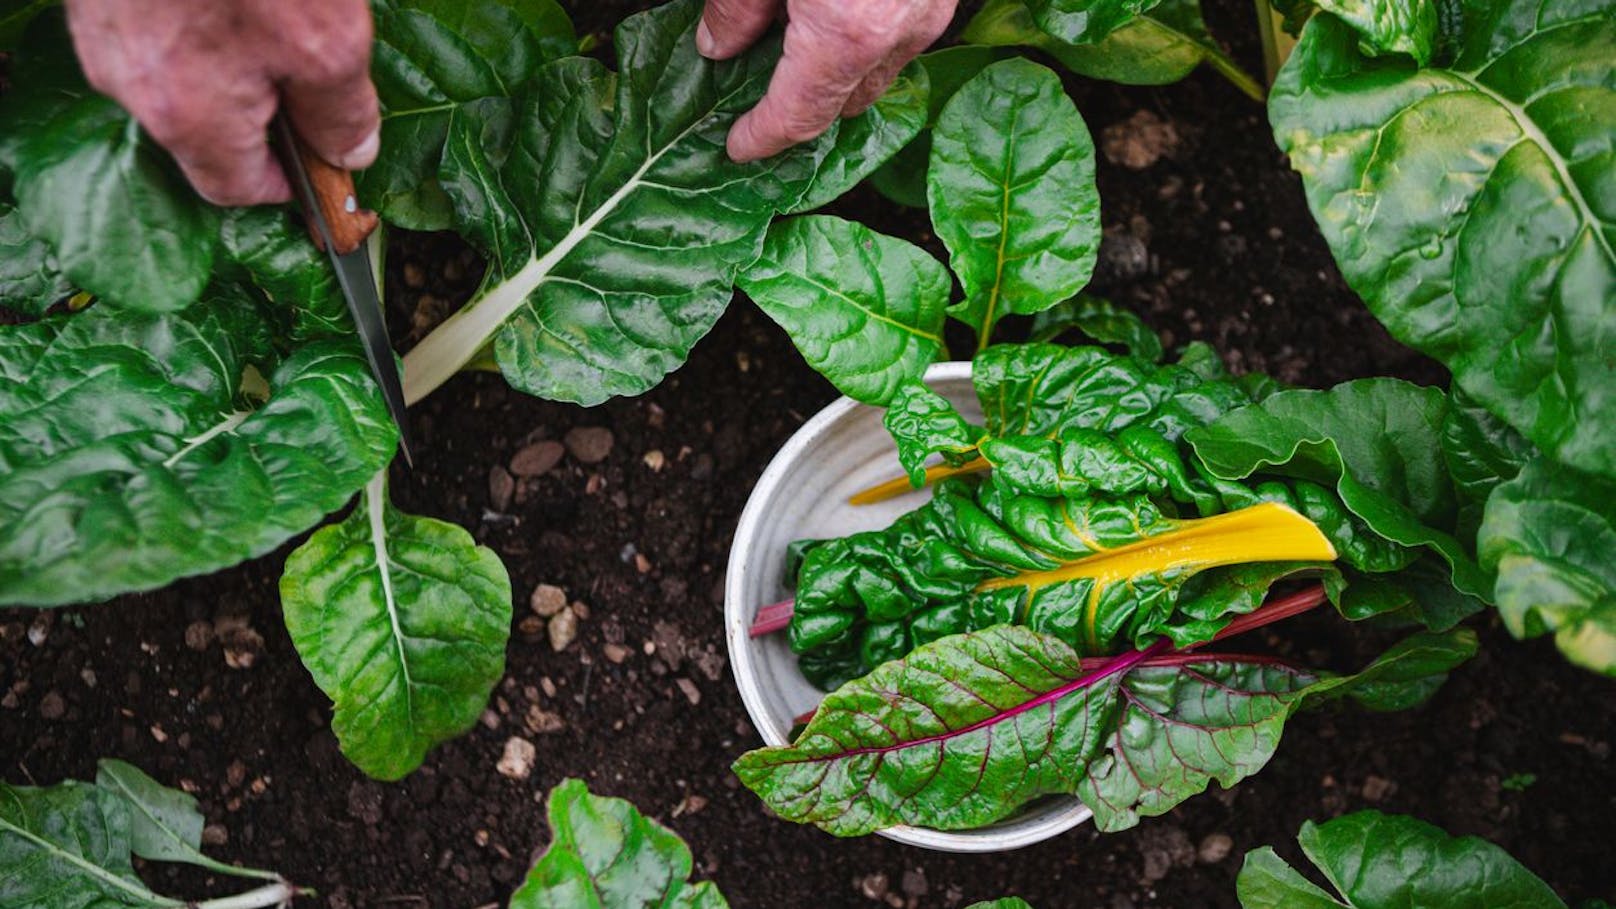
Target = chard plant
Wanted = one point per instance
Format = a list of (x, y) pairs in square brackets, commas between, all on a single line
[(184, 391), (74, 844)]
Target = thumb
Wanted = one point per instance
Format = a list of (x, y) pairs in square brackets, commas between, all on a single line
[(337, 114), (730, 26)]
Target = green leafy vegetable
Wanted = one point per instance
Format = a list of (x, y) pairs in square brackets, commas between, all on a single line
[(865, 309), (967, 729), (29, 279), (1549, 534), (1369, 858), (903, 178), (402, 621), (1470, 203), (137, 449), (1011, 187), (164, 824), (1085, 21), (865, 142), (604, 853), (1101, 320)]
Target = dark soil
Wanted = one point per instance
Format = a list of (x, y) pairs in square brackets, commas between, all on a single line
[(1213, 242)]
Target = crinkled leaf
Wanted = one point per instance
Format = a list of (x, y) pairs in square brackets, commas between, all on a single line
[(1012, 193), (967, 729), (617, 223), (120, 219), (1100, 320), (276, 256), (866, 142), (29, 279), (135, 449), (605, 854), (1375, 442), (432, 56), (903, 178), (1471, 205), (1549, 534), (1479, 449), (402, 621), (68, 847), (865, 309), (1085, 21), (1380, 861), (924, 423)]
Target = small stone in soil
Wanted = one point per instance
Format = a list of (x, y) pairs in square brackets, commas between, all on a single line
[(1214, 848), (914, 882), (873, 886), (1376, 788), (691, 692), (563, 629), (547, 600), (198, 635), (235, 774), (51, 706), (537, 459), (617, 653), (501, 488), (655, 460), (517, 761), (543, 722), (589, 444), (215, 835)]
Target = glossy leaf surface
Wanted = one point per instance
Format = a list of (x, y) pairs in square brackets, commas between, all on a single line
[(1085, 21), (967, 729), (1470, 204), (865, 143), (605, 854), (1100, 320), (1012, 193), (1549, 533), (1380, 861), (402, 621), (903, 178), (138, 449), (29, 279), (866, 310)]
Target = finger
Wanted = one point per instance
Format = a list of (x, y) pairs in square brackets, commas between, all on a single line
[(925, 31), (819, 67), (219, 140), (332, 105), (874, 86), (731, 26)]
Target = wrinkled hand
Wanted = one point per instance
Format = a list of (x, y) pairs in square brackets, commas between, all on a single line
[(839, 56), (205, 77)]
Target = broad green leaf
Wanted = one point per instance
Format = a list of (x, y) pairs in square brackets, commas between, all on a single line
[(967, 729), (138, 449), (164, 824), (1100, 320), (1012, 194), (68, 847), (1384, 26), (1380, 861), (1471, 205), (1549, 533), (276, 256), (402, 621), (1158, 47), (865, 309), (1085, 21), (617, 223), (1479, 449), (29, 279), (115, 211), (605, 854), (903, 178), (1097, 572), (866, 142), (431, 57), (924, 423), (1375, 442)]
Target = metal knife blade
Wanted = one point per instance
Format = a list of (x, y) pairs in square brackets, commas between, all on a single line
[(354, 275)]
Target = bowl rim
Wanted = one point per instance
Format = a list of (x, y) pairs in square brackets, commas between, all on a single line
[(1001, 836)]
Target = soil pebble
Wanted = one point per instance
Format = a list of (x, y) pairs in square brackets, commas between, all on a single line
[(589, 444), (537, 459), (52, 706), (543, 722), (1214, 848), (547, 600), (1139, 141), (1163, 848), (501, 488), (517, 761), (563, 629)]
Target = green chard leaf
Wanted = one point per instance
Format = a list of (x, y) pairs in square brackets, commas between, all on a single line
[(1085, 21), (402, 621), (1549, 533), (1159, 46), (1367, 858), (1101, 320), (68, 847), (1012, 194), (431, 57), (604, 853), (617, 223), (1470, 203), (119, 218), (866, 142), (138, 449), (29, 280), (865, 309), (275, 255), (902, 178), (967, 729), (164, 824)]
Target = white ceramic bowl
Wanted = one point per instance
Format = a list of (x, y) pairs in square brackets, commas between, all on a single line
[(803, 494)]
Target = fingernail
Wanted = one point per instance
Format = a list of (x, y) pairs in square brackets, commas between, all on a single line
[(704, 40), (362, 155)]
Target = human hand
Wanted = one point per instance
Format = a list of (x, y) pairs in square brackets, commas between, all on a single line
[(839, 56), (205, 77)]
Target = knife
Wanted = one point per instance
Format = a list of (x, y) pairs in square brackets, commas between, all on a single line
[(339, 226)]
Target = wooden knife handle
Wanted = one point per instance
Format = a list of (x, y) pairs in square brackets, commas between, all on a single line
[(334, 194)]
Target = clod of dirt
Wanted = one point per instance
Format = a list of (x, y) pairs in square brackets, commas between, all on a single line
[(501, 488), (1123, 258), (517, 761), (242, 644), (1214, 848), (668, 643), (537, 459), (914, 883), (215, 835), (563, 629), (617, 653), (1162, 848), (198, 635), (51, 706), (1139, 141), (589, 444), (691, 692), (1376, 788), (543, 722), (873, 886), (547, 600)]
